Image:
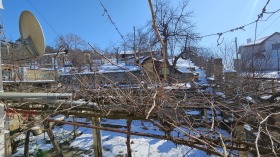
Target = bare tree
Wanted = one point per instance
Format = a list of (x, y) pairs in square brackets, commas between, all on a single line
[(174, 24), (227, 52), (70, 41), (75, 46), (140, 41)]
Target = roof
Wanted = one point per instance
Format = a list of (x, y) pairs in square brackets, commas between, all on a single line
[(183, 62), (130, 52), (260, 41), (183, 65)]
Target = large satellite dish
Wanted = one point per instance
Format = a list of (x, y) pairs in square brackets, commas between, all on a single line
[(32, 35)]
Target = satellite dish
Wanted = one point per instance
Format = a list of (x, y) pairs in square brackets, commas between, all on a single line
[(32, 35)]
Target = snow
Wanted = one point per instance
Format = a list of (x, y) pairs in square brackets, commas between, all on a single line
[(263, 74), (250, 99), (183, 62), (247, 127), (113, 143), (183, 65), (258, 41), (186, 85), (192, 112), (229, 71), (268, 74), (142, 59), (220, 94), (266, 97), (211, 78), (202, 76)]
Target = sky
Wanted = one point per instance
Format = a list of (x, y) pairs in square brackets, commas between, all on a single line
[(86, 19)]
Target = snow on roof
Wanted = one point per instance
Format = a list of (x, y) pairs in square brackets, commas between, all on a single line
[(183, 69), (263, 74), (113, 68), (258, 41), (183, 65), (142, 59), (268, 74), (130, 52), (183, 62), (229, 71)]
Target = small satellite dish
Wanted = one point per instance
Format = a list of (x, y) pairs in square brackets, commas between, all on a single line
[(32, 35)]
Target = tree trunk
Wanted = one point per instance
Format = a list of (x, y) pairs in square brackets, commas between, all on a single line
[(128, 138), (51, 136)]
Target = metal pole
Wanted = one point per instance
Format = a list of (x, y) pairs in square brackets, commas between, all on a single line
[(237, 60), (277, 57), (1, 79), (236, 49), (134, 45), (15, 95)]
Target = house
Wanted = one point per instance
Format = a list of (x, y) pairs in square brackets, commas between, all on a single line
[(183, 72), (262, 54), (150, 68), (130, 57)]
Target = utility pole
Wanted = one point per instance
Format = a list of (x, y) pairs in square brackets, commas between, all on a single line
[(117, 55), (225, 57), (236, 48), (277, 56), (134, 45), (237, 59), (1, 80)]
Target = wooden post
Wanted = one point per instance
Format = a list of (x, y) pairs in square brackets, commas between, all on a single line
[(75, 127), (5, 143), (97, 145), (205, 114), (26, 144), (273, 87), (8, 147), (51, 136), (2, 125), (129, 121), (240, 135)]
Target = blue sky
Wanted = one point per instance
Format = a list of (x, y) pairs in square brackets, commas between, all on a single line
[(85, 18)]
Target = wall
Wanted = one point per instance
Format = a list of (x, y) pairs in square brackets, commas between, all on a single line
[(35, 74), (93, 80), (264, 57)]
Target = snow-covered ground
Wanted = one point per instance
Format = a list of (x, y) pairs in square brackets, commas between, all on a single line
[(113, 144)]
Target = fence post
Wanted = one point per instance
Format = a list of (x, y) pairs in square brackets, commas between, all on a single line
[(97, 145), (5, 143)]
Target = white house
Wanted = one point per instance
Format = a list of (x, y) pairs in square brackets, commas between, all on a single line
[(262, 54)]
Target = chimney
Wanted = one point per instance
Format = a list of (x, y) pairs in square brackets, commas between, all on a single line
[(249, 40)]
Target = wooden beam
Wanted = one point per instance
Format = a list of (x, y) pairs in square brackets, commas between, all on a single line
[(97, 145)]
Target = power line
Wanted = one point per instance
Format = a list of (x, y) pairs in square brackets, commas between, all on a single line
[(111, 20), (43, 18), (260, 16), (269, 25), (59, 36)]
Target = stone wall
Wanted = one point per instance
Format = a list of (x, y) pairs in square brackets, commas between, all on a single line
[(101, 79), (218, 69)]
